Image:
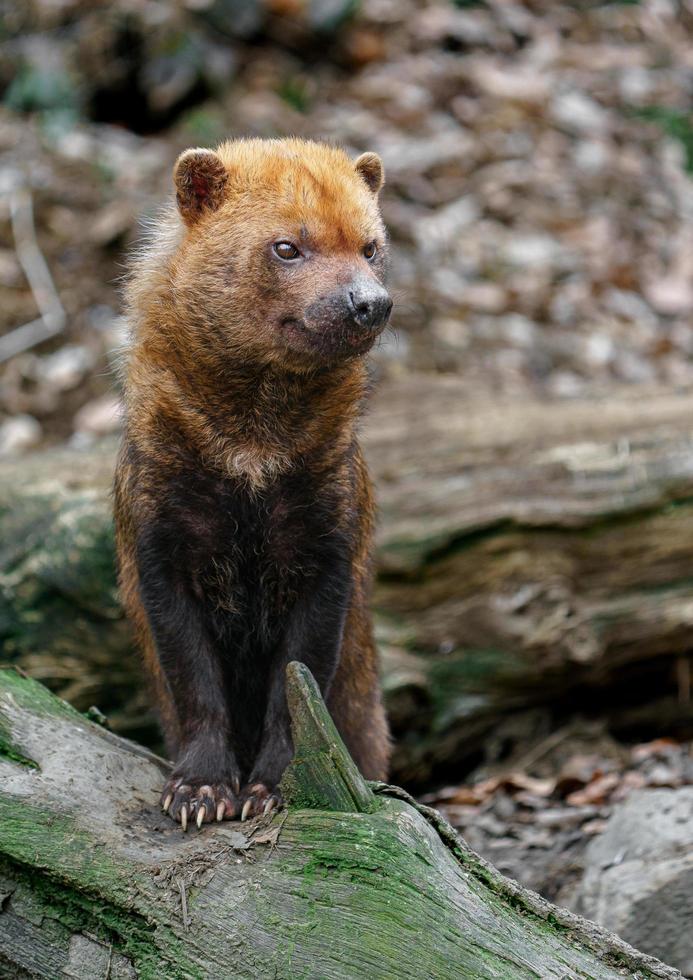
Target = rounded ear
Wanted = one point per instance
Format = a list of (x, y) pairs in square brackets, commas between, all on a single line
[(369, 166), (200, 179)]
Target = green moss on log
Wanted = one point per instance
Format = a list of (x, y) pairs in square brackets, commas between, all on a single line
[(383, 891), (322, 774)]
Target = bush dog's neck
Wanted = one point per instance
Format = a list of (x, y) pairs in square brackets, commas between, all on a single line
[(251, 421)]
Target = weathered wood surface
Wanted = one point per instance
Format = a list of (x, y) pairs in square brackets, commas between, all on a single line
[(96, 883), (533, 557)]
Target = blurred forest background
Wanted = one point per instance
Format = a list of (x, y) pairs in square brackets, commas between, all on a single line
[(539, 199), (537, 155)]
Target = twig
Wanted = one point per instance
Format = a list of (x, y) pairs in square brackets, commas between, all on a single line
[(184, 904), (53, 318), (683, 678), (543, 748), (275, 842), (281, 825)]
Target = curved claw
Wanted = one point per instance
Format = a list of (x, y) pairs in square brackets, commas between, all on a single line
[(269, 805), (247, 807), (199, 803)]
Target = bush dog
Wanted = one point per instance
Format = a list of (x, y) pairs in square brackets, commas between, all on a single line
[(244, 511)]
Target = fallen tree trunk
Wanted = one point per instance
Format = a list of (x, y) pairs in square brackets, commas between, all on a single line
[(533, 560), (346, 883)]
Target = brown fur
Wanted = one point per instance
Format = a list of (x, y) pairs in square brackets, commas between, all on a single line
[(231, 385)]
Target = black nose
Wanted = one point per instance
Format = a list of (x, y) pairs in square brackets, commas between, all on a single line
[(370, 305)]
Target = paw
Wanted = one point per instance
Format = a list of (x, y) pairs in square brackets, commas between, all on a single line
[(187, 800), (258, 799)]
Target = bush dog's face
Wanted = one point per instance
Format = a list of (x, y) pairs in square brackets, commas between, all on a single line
[(284, 253)]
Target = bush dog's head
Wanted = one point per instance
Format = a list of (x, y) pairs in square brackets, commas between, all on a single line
[(283, 256)]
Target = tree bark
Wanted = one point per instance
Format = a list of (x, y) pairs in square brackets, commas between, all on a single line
[(533, 559), (353, 880)]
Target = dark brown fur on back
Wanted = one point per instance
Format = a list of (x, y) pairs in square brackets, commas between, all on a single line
[(244, 511)]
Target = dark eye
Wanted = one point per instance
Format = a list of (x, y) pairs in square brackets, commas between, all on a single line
[(370, 250), (286, 251)]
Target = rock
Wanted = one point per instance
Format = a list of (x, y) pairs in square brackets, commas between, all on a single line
[(630, 306), (485, 297), (670, 295), (532, 251), (99, 416), (327, 15), (599, 349), (592, 156), (638, 877), (566, 384), (632, 367), (517, 330), (19, 433), (635, 85), (577, 113), (421, 153), (451, 332), (439, 232), (66, 368), (525, 85)]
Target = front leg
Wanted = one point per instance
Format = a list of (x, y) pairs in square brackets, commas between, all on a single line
[(205, 781), (313, 635)]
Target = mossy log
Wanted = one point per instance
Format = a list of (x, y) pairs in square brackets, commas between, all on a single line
[(533, 559), (352, 880)]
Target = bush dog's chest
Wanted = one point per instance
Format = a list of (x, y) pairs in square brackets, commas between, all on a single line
[(250, 554)]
